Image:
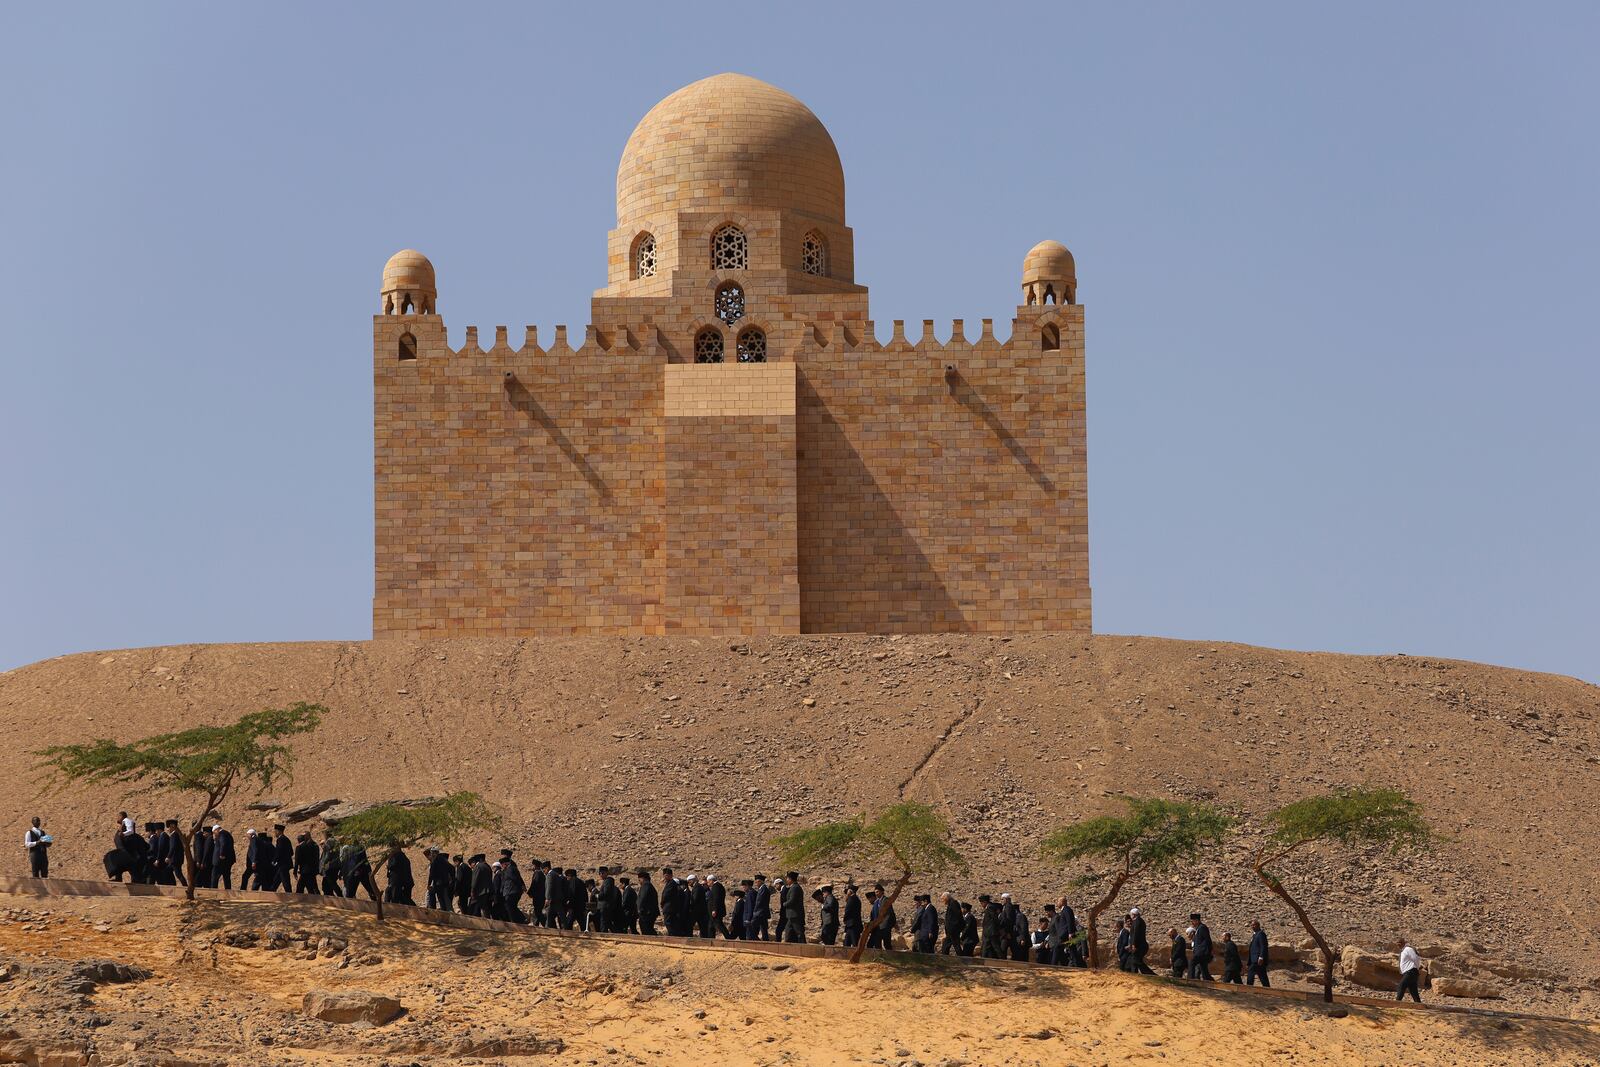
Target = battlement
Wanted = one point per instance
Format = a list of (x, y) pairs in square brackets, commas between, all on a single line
[(649, 341)]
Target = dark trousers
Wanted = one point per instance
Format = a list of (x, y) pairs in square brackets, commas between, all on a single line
[(1200, 967), (1232, 974), (1258, 970), (330, 884), (757, 931), (647, 926), (1408, 984), (39, 862), (925, 943), (202, 878), (794, 932), (830, 935), (177, 873), (222, 876), (1180, 969), (879, 938), (950, 946), (1139, 965), (464, 903), (439, 898), (852, 934), (305, 882)]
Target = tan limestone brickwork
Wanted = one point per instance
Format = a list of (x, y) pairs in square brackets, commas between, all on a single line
[(614, 485)]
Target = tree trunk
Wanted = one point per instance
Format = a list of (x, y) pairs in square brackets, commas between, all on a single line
[(212, 800), (1272, 883), (1092, 927), (894, 895)]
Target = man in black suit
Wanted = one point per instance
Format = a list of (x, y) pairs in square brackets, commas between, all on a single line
[(1008, 925), (356, 868), (630, 905), (399, 882), (577, 899), (463, 884), (441, 879), (969, 930), (990, 928), (793, 903), (536, 887), (1180, 954), (328, 865), (1232, 965), (674, 903), (201, 843), (1258, 956), (555, 898), (852, 915), (717, 906), (699, 907), (883, 936), (37, 842), (952, 925), (282, 859), (925, 924), (760, 909), (828, 910), (1200, 957), (160, 855), (649, 904), (1141, 942), (511, 888), (223, 857), (483, 901), (307, 860), (251, 878), (610, 898)]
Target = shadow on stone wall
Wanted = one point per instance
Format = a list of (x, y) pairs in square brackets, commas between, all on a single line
[(853, 542), (973, 401), (524, 402)]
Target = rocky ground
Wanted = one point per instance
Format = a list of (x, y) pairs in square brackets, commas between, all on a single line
[(157, 982), (695, 752)]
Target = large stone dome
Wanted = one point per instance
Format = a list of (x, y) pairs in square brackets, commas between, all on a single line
[(727, 143)]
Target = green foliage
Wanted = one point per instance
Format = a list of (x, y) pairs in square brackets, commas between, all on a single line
[(1351, 816), (1153, 835), (205, 759), (407, 826), (914, 835)]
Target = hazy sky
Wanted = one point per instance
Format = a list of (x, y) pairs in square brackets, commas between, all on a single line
[(1339, 267)]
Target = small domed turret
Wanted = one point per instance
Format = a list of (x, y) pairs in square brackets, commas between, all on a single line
[(1049, 275), (408, 284)]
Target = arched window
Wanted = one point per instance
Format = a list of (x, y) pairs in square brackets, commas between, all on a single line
[(708, 346), (730, 303), (1032, 299), (1051, 337), (408, 346), (644, 256), (752, 346), (729, 249), (406, 306), (814, 254), (1049, 294)]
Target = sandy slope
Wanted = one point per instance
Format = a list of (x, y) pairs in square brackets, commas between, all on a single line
[(219, 994), (696, 751)]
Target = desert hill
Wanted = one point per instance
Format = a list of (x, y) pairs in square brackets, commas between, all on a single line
[(694, 752)]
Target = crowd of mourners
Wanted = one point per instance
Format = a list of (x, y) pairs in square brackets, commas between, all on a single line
[(612, 901)]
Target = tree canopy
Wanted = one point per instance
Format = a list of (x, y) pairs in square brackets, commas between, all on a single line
[(1351, 817), (391, 826), (209, 760), (914, 837), (1153, 836)]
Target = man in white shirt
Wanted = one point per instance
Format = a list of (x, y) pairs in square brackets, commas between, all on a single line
[(1410, 972), (37, 842)]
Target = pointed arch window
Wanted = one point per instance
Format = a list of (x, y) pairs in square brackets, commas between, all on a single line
[(644, 256), (708, 346), (1051, 337), (407, 349), (752, 346), (729, 249), (814, 254)]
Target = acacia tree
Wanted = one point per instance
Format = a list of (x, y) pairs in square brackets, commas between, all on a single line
[(1152, 837), (913, 837), (396, 827), (1349, 817), (208, 761)]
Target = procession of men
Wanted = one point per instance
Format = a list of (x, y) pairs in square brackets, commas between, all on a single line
[(611, 901)]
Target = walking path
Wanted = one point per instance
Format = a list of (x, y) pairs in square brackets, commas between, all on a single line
[(66, 887)]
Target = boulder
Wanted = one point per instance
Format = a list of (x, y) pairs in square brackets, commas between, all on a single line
[(108, 971), (1367, 968), (351, 1006), (339, 812), (1471, 988), (302, 812), (264, 805)]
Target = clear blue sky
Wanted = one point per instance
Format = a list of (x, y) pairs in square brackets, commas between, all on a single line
[(1339, 266)]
